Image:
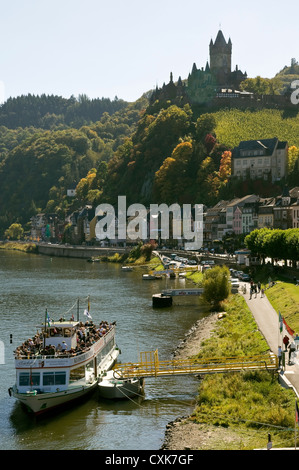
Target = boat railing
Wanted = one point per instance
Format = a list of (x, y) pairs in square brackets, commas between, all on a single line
[(47, 356), (63, 354)]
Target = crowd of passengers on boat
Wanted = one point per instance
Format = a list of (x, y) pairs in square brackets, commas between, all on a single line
[(87, 335)]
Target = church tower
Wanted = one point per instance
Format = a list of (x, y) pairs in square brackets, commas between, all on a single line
[(221, 59)]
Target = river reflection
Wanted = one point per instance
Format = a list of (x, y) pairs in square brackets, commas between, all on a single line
[(31, 283)]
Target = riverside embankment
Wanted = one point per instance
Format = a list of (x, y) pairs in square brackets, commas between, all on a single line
[(82, 252), (241, 411)]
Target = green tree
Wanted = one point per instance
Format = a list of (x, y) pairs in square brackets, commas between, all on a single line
[(262, 86), (205, 125), (14, 232), (216, 286), (171, 181)]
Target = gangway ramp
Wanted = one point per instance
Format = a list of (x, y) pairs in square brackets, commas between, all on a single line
[(151, 366), (182, 292)]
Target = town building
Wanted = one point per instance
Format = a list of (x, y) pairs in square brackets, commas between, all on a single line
[(265, 158), (285, 209), (234, 213)]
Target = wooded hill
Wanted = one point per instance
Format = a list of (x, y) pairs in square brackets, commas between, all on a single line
[(159, 153), (48, 112)]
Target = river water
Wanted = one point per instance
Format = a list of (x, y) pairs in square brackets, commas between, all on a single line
[(31, 283)]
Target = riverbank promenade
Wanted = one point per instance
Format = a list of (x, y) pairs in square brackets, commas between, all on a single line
[(267, 320)]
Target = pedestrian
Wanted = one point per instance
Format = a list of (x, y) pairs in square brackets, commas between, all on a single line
[(292, 349), (286, 342), (250, 293), (279, 355), (259, 286), (262, 292)]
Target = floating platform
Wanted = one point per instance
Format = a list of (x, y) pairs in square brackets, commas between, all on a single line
[(161, 300)]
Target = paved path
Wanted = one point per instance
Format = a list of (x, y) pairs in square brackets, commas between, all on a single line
[(267, 320)]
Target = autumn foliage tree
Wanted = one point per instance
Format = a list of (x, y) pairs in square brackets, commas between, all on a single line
[(225, 168), (171, 180)]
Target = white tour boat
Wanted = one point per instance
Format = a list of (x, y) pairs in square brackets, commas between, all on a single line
[(63, 362), (113, 387)]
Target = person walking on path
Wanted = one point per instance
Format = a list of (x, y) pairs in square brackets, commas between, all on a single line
[(259, 286), (250, 293), (292, 349), (285, 342), (279, 355)]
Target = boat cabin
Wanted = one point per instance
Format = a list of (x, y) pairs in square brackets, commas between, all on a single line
[(61, 334)]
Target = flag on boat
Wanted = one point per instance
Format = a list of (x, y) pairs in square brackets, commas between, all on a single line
[(48, 319), (280, 322), (87, 314), (289, 330)]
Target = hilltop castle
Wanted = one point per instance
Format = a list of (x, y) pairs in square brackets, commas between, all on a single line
[(204, 83), (221, 64), (217, 85)]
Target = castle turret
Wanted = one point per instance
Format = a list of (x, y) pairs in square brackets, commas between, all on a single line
[(221, 58)]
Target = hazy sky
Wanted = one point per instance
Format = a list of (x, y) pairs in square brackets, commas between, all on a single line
[(126, 47)]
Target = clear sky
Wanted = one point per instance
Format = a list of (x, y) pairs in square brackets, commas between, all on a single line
[(108, 48)]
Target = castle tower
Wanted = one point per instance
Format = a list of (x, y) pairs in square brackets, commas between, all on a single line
[(221, 59)]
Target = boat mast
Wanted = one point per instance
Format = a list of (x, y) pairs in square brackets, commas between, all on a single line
[(45, 328)]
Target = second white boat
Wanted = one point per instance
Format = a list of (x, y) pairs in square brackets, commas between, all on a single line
[(114, 388)]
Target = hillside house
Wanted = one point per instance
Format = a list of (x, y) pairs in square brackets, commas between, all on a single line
[(265, 159)]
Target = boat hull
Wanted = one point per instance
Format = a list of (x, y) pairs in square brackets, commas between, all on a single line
[(118, 389), (41, 403), (45, 402)]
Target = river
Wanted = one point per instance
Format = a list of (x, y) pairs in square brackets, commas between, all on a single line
[(31, 283)]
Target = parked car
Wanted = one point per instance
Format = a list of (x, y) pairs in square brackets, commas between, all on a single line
[(235, 282)]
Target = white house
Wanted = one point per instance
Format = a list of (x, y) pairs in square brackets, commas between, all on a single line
[(266, 158)]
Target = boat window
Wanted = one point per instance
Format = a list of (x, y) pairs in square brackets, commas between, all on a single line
[(107, 348), (48, 378), (54, 378), (60, 378), (55, 331), (77, 374), (27, 378)]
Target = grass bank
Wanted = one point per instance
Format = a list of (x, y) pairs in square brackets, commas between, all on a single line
[(17, 246), (245, 405), (283, 295)]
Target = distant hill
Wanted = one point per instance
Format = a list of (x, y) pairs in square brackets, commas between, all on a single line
[(168, 151), (288, 74), (49, 111)]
